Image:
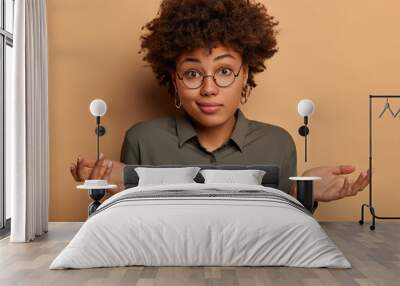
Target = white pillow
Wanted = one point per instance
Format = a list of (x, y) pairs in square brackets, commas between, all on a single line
[(248, 177), (162, 176)]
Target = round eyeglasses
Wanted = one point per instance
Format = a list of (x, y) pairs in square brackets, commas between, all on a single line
[(223, 77)]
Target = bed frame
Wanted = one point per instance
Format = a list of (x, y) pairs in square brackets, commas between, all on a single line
[(270, 179)]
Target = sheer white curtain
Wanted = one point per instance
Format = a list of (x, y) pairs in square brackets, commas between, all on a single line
[(27, 144)]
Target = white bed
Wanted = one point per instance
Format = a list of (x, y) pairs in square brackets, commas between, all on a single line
[(201, 224)]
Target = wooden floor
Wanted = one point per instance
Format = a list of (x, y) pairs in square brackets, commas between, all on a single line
[(375, 256)]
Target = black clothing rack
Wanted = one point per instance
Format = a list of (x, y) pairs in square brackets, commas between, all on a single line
[(369, 205)]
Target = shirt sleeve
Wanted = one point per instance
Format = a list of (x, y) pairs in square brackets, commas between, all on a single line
[(288, 169), (129, 152)]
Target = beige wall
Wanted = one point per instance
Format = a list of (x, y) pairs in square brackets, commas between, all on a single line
[(333, 52)]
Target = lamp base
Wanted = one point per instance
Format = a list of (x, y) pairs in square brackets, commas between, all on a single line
[(100, 130), (303, 130)]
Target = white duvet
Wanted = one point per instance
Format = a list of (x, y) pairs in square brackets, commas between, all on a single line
[(206, 230)]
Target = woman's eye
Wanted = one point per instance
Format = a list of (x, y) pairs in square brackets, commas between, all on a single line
[(191, 74), (225, 71)]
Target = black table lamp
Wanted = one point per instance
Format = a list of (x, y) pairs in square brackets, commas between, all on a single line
[(97, 188)]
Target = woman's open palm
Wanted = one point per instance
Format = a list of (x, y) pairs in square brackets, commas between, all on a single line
[(333, 185)]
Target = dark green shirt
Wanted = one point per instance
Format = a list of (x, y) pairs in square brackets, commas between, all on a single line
[(173, 140)]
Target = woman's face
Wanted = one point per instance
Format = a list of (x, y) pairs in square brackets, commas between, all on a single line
[(210, 103)]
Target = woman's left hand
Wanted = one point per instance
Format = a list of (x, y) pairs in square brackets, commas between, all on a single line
[(333, 186)]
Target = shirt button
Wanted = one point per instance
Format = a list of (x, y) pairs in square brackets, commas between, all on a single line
[(213, 160)]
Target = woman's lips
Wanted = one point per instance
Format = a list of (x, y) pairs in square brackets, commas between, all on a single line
[(209, 108)]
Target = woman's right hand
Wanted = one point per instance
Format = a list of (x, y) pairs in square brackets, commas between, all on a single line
[(102, 169), (88, 169)]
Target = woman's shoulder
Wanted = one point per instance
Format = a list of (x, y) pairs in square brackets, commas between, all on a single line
[(152, 127), (269, 132)]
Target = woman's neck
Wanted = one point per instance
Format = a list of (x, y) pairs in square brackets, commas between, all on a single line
[(211, 138)]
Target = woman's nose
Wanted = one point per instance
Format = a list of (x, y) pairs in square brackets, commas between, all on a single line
[(209, 87)]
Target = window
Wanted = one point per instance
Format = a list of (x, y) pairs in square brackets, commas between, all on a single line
[(6, 61)]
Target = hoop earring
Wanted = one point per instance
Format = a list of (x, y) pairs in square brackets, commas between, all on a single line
[(176, 100), (245, 94)]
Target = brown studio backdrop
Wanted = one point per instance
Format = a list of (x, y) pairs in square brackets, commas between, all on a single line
[(333, 52)]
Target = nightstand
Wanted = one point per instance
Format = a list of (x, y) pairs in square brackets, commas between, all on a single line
[(96, 190), (305, 193)]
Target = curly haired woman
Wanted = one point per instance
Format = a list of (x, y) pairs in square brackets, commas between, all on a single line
[(207, 52)]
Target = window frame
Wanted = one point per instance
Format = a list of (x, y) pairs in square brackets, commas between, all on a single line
[(6, 39)]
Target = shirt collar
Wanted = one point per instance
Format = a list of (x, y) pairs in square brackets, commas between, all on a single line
[(186, 131)]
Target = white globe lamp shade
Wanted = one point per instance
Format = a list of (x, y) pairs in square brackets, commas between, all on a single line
[(98, 107), (305, 107)]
